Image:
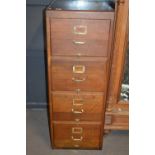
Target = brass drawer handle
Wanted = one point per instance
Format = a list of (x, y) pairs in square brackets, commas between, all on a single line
[(77, 139), (79, 42), (79, 69), (80, 29), (77, 112), (77, 101), (78, 80), (77, 130)]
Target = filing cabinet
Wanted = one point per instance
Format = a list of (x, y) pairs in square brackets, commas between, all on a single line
[(79, 38)]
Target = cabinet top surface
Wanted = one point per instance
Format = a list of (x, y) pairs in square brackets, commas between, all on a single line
[(94, 5)]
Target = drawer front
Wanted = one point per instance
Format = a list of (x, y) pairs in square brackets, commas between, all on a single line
[(80, 36), (76, 135), (80, 29), (81, 47), (84, 106), (72, 73)]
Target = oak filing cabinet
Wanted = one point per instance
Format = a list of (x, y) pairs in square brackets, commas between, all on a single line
[(79, 45)]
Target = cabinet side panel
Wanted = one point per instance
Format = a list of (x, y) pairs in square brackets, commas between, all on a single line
[(48, 50)]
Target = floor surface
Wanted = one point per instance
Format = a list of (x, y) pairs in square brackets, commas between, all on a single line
[(38, 142)]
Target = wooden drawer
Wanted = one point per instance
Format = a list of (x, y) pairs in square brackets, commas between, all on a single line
[(72, 135), (85, 106), (80, 29), (77, 47), (80, 36), (86, 74)]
